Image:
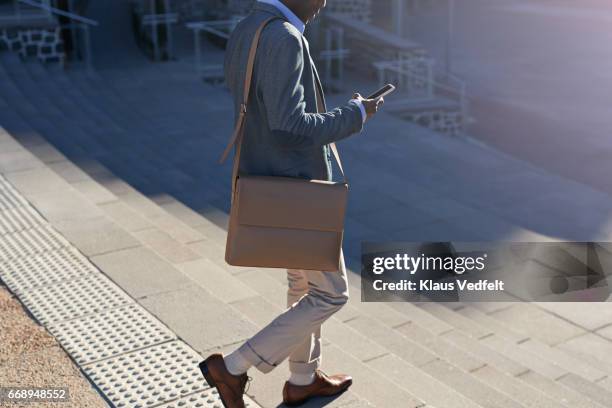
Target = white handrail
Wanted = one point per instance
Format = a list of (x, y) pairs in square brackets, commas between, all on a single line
[(459, 89), (393, 66), (62, 13), (159, 18)]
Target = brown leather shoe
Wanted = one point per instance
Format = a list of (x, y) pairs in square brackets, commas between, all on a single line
[(230, 387), (322, 386)]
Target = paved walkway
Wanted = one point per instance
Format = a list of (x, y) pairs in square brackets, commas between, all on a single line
[(130, 356), (121, 164)]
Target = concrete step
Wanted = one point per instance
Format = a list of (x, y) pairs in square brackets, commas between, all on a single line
[(144, 234), (594, 391), (50, 154), (456, 350), (92, 121), (504, 364), (162, 289), (343, 354), (544, 363), (467, 341), (82, 107), (152, 168), (211, 158), (417, 352), (551, 357), (38, 181), (544, 373), (68, 96), (563, 359), (421, 348), (538, 358), (531, 353), (538, 324)]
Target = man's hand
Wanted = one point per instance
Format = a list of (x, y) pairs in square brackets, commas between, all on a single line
[(371, 105)]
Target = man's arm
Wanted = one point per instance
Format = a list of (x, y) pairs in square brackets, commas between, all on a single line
[(279, 82)]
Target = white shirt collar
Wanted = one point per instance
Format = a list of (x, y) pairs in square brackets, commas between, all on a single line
[(289, 15)]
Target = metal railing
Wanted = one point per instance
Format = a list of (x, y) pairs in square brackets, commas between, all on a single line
[(420, 81), (454, 85), (415, 76), (77, 22), (20, 14), (219, 28), (155, 21), (334, 56), (45, 5)]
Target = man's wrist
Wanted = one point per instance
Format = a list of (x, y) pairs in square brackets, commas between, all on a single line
[(364, 114)]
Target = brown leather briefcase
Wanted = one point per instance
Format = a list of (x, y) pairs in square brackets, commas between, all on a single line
[(282, 222)]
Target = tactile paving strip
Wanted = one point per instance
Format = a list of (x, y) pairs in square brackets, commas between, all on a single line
[(9, 197), (29, 242), (204, 399), (149, 377), (44, 269), (131, 356), (19, 219), (110, 333), (71, 299)]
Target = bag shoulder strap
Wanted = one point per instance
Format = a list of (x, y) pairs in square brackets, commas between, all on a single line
[(247, 89), (236, 139)]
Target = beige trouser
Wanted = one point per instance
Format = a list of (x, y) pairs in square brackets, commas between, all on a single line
[(312, 298)]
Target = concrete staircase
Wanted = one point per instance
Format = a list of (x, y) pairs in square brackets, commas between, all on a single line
[(122, 163)]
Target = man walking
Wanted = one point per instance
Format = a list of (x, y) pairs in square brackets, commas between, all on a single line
[(284, 136)]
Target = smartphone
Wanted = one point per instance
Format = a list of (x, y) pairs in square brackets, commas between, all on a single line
[(384, 91)]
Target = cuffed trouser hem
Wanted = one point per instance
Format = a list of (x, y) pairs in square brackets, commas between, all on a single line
[(255, 359), (304, 368)]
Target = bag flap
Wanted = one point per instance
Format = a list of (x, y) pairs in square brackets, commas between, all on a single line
[(282, 202)]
